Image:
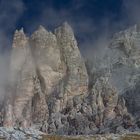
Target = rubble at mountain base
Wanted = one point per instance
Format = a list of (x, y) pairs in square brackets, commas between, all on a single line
[(31, 134)]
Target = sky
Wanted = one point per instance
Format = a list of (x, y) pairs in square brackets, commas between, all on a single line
[(93, 21)]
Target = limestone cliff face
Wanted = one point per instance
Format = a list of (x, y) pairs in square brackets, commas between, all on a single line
[(47, 70), (49, 89)]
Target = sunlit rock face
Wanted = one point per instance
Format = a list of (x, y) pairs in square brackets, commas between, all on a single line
[(49, 87), (47, 71)]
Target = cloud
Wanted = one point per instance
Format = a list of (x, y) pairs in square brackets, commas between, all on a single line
[(10, 12)]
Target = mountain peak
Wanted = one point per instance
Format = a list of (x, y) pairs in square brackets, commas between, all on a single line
[(65, 31), (20, 38), (20, 32), (66, 25), (41, 28)]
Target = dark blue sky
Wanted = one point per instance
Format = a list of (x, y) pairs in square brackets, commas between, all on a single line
[(90, 19), (73, 11), (95, 9)]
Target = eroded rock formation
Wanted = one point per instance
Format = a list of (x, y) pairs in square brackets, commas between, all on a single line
[(49, 87)]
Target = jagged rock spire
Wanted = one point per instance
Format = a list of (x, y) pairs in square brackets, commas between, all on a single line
[(65, 31), (41, 29), (67, 28), (40, 32), (20, 39)]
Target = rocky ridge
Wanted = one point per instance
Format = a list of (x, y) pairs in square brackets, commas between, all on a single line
[(52, 89)]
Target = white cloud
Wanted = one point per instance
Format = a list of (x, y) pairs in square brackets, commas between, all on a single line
[(10, 12)]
